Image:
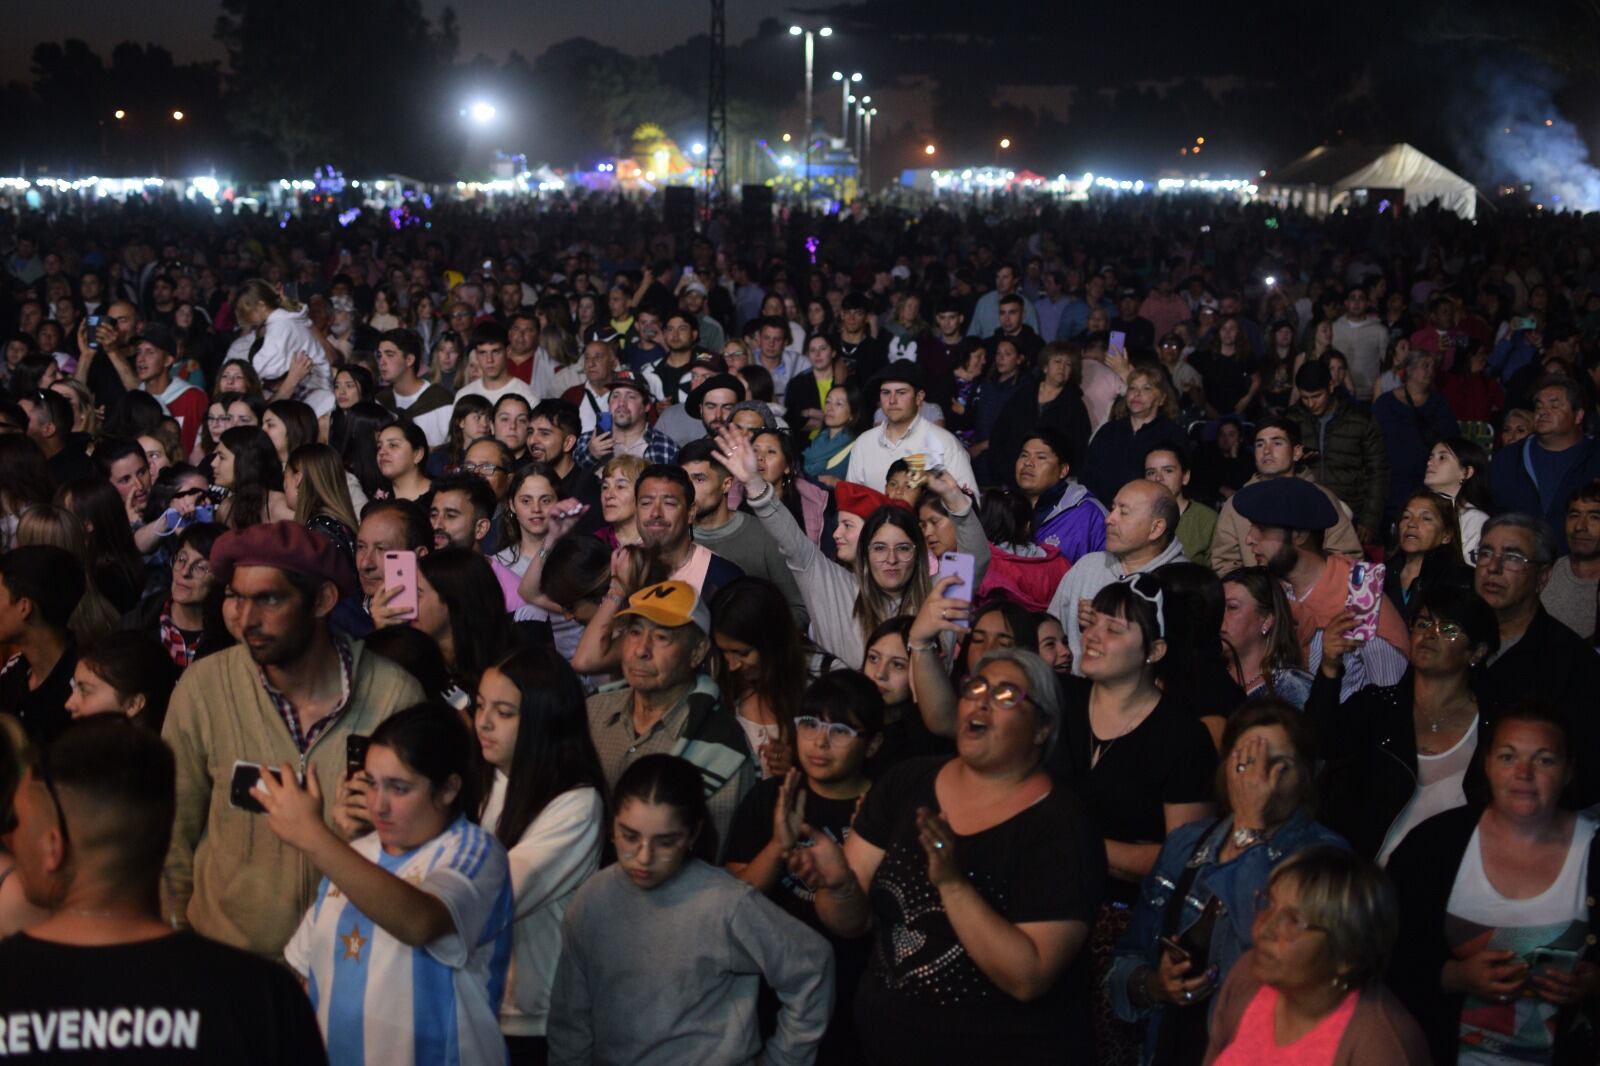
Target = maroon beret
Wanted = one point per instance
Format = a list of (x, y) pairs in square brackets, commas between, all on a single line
[(287, 546)]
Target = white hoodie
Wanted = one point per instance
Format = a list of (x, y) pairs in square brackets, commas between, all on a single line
[(287, 334)]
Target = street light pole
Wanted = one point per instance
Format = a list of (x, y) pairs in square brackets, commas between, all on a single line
[(844, 102), (810, 39), (866, 152)]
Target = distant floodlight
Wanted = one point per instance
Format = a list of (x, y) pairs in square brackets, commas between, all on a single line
[(119, 114), (177, 116), (482, 112), (787, 138), (1005, 142), (795, 31), (930, 149), (826, 31), (698, 148)]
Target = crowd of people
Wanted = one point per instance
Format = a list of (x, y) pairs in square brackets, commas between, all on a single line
[(1150, 631)]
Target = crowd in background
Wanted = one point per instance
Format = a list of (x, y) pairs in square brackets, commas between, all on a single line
[(1153, 630)]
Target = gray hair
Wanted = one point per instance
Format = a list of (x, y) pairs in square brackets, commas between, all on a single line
[(1044, 691), (1348, 897), (1545, 548)]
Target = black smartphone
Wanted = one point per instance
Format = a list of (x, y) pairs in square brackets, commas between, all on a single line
[(94, 326), (1175, 949), (241, 790), (355, 754)]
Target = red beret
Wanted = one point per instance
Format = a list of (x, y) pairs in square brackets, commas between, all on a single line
[(861, 501), (287, 546)]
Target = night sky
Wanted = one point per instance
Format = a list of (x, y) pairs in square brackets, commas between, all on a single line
[(492, 27)]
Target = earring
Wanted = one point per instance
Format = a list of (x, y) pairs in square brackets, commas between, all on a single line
[(1264, 630)]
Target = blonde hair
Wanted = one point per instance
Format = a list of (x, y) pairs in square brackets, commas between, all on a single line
[(629, 466), (259, 291), (86, 404), (1157, 376), (323, 488), (58, 527)]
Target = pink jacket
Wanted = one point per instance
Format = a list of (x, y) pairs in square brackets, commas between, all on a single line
[(1029, 580)]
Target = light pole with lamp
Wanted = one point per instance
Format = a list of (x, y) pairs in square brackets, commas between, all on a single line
[(845, 81), (866, 151), (861, 111), (809, 35)]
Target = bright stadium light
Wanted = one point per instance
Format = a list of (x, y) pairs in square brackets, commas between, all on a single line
[(482, 112)]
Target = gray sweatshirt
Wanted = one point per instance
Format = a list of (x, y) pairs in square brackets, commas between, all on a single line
[(830, 590), (669, 976), (1088, 576), (746, 544)]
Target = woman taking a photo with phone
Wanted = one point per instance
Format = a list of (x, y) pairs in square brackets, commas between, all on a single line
[(889, 576), (404, 950)]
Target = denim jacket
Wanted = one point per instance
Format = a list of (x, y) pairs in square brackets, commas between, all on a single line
[(1233, 884)]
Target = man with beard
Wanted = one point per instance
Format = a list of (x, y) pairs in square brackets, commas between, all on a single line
[(734, 535), (291, 691), (667, 375), (708, 405), (630, 432), (1278, 452), (666, 499), (553, 434), (1288, 518)]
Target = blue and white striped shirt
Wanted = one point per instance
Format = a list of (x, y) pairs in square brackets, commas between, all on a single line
[(380, 1001)]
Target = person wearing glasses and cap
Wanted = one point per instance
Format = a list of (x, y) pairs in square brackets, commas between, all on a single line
[(978, 877)]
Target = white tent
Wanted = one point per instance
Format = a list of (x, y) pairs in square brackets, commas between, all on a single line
[(1327, 178)]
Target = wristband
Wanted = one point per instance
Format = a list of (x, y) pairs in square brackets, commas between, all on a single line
[(914, 646), (762, 495)]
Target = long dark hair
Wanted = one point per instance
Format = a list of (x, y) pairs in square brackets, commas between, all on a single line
[(134, 663), (256, 474), (479, 628), (752, 611), (1023, 623), (99, 506), (1193, 610), (673, 782), (787, 492), (510, 529), (25, 479), (554, 752), (1476, 490), (299, 423), (431, 739), (353, 433)]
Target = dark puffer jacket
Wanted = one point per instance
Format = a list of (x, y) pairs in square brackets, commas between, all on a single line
[(1351, 461)]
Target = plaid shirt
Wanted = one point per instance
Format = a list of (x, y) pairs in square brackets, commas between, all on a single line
[(304, 740), (658, 448), (179, 647)]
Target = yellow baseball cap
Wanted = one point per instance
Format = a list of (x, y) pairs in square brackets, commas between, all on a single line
[(670, 604)]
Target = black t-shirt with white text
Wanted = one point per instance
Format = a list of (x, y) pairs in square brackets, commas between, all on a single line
[(175, 999)]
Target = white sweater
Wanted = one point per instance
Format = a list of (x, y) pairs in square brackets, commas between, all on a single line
[(556, 854)]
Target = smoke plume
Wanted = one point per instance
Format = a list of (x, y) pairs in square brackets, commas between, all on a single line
[(1510, 132)]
